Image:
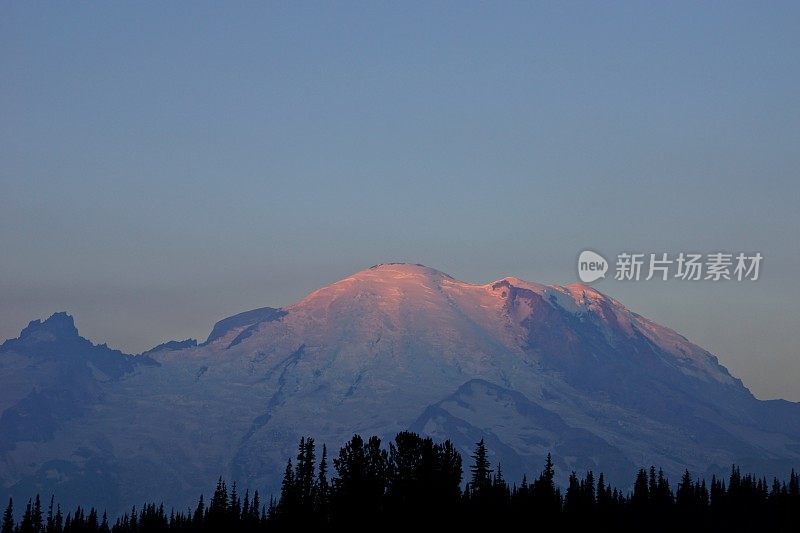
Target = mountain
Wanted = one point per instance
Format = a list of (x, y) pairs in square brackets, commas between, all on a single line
[(531, 368), (170, 346)]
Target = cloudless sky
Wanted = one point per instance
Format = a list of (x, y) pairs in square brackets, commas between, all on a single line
[(164, 165)]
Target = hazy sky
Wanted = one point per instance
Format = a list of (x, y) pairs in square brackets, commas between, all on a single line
[(164, 165)]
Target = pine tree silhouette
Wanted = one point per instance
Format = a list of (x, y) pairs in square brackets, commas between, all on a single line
[(8, 518), (480, 468), (415, 480), (322, 495)]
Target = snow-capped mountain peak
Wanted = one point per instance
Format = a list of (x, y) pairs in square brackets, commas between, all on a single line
[(532, 368)]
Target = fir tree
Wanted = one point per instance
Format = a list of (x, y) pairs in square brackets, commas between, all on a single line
[(323, 488), (287, 505), (37, 515), (235, 509), (26, 524), (480, 468), (50, 523), (8, 518), (255, 507), (199, 512), (58, 521)]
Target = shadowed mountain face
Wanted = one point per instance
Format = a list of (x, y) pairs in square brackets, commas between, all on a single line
[(531, 368), (52, 380)]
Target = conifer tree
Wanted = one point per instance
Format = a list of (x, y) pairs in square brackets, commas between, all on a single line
[(323, 488), (58, 522), (480, 468), (588, 490), (235, 508), (499, 481), (549, 474), (287, 505), (199, 512), (685, 497), (50, 523), (26, 525), (573, 495), (304, 474), (602, 500), (92, 522), (8, 518), (245, 515), (255, 507), (641, 491)]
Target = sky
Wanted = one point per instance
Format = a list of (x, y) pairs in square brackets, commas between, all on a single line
[(165, 165)]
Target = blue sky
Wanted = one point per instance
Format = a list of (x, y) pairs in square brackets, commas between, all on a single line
[(165, 165)]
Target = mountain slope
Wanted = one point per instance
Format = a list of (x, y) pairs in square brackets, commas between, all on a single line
[(532, 367)]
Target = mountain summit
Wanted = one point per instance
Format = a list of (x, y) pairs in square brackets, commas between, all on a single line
[(531, 368), (59, 327)]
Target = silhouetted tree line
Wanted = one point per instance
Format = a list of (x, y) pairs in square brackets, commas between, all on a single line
[(416, 481)]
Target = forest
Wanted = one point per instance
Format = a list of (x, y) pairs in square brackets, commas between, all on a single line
[(415, 481)]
